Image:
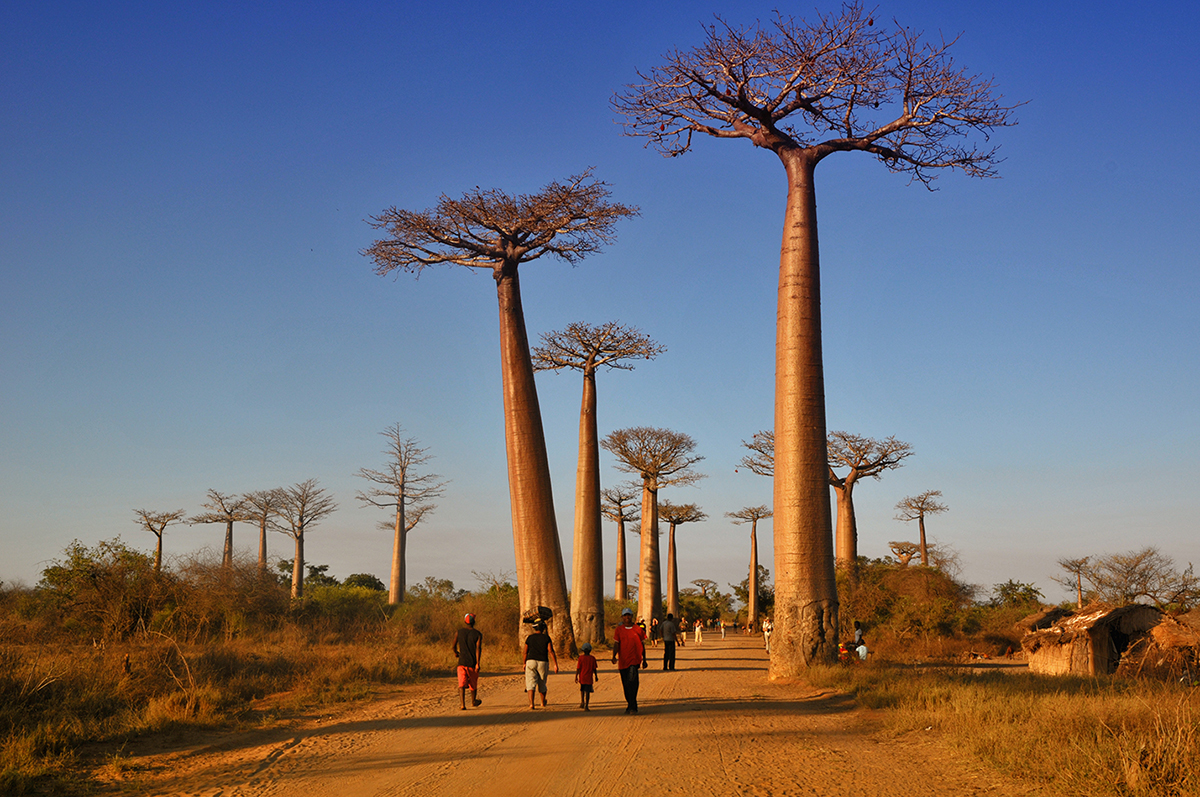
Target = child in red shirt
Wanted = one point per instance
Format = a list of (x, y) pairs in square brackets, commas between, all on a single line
[(586, 675)]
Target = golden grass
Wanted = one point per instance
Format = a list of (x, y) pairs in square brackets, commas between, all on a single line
[(1071, 735)]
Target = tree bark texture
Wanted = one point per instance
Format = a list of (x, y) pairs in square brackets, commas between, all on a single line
[(397, 584), (298, 568), (924, 549), (847, 525), (227, 554), (649, 572), (541, 579), (158, 554), (806, 605), (672, 574), (752, 584), (587, 569), (621, 588), (262, 546)]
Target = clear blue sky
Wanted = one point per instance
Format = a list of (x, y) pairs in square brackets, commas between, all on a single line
[(183, 305)]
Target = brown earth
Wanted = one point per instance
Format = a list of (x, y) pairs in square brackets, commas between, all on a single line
[(714, 726)]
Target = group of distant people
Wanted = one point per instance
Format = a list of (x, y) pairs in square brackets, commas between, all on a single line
[(628, 653)]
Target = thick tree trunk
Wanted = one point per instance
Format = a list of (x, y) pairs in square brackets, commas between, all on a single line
[(587, 570), (924, 550), (847, 525), (298, 568), (649, 572), (621, 588), (262, 547), (752, 584), (541, 578), (806, 605), (672, 574), (158, 554), (227, 555), (397, 584)]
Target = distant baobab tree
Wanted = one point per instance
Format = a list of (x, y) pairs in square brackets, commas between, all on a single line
[(227, 509), (751, 515), (587, 348), (904, 551), (260, 507), (618, 507), (1076, 568), (662, 458), (863, 456), (498, 232), (156, 523), (676, 515), (401, 487), (300, 507), (916, 507), (805, 90)]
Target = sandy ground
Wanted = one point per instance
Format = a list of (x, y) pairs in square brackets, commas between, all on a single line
[(714, 726)]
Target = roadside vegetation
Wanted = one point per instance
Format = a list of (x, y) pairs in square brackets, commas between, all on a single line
[(105, 648)]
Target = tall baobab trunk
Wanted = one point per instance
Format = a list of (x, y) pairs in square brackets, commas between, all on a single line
[(752, 584), (298, 568), (806, 606), (672, 574), (587, 571), (262, 547), (227, 555), (541, 580), (621, 587), (847, 525), (158, 554), (924, 548), (397, 584), (649, 573)]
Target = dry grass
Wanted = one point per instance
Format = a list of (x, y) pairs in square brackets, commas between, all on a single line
[(1072, 735), (58, 695)]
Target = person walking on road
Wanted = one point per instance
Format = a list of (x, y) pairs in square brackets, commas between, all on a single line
[(586, 676), (629, 649), (468, 647), (669, 630), (539, 649)]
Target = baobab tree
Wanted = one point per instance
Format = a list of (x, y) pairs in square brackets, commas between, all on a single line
[(260, 507), (916, 507), (618, 506), (227, 509), (676, 515), (300, 507), (904, 551), (498, 232), (662, 458), (805, 90), (401, 487), (862, 457), (1075, 568), (588, 348), (751, 515), (156, 523)]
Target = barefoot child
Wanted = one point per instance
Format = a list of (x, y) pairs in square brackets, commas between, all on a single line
[(586, 675)]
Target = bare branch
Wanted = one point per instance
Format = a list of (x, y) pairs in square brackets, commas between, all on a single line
[(834, 83), (585, 347), (660, 456), (489, 228)]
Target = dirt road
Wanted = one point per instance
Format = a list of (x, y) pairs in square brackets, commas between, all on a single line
[(714, 726)]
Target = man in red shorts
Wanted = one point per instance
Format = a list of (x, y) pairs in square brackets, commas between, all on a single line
[(468, 646)]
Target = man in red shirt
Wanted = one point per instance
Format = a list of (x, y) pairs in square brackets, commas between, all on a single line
[(629, 648)]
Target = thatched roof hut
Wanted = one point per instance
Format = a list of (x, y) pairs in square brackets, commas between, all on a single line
[(1090, 641)]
